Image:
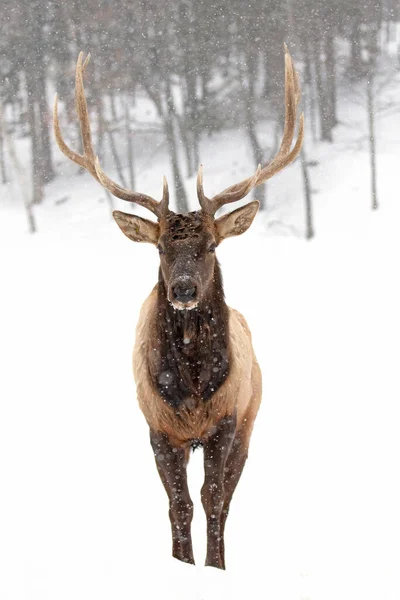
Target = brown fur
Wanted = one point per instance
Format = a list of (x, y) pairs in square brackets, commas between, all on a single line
[(240, 393), (189, 353)]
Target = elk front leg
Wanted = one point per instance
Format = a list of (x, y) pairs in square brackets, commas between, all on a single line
[(216, 451), (171, 464)]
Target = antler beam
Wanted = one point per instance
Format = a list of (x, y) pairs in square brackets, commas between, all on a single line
[(89, 161), (283, 157)]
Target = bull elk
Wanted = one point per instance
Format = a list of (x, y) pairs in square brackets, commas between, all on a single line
[(197, 378)]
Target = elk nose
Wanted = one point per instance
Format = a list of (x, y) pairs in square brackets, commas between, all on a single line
[(184, 292)]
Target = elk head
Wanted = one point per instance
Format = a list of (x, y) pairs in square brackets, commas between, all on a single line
[(186, 243)]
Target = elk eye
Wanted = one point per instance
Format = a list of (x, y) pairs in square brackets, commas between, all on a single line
[(160, 250), (212, 248)]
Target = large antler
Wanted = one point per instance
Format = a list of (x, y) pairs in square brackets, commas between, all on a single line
[(89, 161), (283, 158)]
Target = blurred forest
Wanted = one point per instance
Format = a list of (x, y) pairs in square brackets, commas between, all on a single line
[(205, 66)]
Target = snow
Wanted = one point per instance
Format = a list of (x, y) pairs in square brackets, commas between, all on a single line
[(315, 516)]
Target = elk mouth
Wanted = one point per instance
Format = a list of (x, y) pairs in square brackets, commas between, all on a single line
[(184, 305), (183, 294)]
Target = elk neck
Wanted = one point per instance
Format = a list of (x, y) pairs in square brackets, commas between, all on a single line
[(192, 353)]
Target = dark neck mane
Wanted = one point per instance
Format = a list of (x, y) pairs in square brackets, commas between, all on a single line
[(193, 356)]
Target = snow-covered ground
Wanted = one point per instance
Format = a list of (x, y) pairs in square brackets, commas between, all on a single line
[(316, 515)]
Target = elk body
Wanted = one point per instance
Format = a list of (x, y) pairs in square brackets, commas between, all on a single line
[(197, 378)]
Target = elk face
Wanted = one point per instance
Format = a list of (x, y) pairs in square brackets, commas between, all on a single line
[(187, 258), (186, 244)]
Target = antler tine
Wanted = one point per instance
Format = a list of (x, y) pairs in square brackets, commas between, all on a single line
[(88, 159), (83, 113), (232, 194), (292, 98), (69, 153), (283, 157), (203, 200), (297, 88), (291, 101)]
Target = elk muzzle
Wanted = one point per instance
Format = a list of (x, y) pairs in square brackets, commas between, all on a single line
[(183, 293)]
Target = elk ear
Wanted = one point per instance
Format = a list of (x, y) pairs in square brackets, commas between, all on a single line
[(236, 222), (137, 228)]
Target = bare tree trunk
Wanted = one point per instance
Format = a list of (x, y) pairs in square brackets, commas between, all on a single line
[(180, 193), (115, 155), (310, 233), (183, 129), (196, 146), (355, 52), (37, 178), (372, 46), (189, 12), (188, 124), (309, 82), (35, 75), (167, 116), (113, 107), (129, 143), (44, 122), (2, 155), (325, 126), (372, 146), (388, 32), (330, 62), (204, 88), (264, 63), (195, 124), (17, 108), (21, 179)]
